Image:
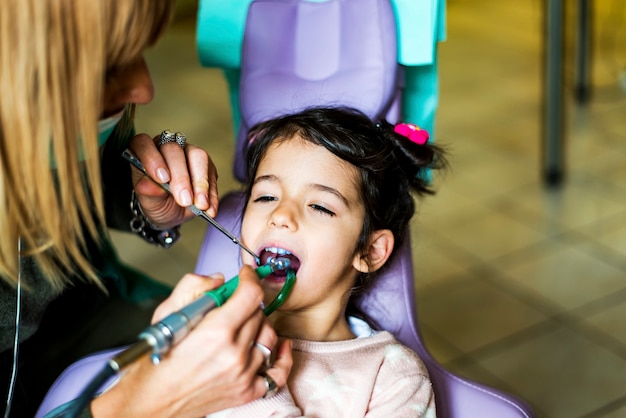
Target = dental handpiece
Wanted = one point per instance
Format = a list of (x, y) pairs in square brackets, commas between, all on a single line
[(162, 336), (131, 158)]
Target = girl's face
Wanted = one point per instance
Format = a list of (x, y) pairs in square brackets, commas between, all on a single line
[(305, 203)]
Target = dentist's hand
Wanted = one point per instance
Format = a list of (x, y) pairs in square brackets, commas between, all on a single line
[(215, 367), (190, 172)]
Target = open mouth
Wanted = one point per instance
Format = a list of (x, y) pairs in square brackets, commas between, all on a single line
[(274, 253)]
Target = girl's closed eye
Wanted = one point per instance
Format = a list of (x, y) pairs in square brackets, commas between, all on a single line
[(322, 209), (265, 198)]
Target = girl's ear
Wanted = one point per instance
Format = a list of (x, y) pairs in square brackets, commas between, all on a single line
[(378, 252)]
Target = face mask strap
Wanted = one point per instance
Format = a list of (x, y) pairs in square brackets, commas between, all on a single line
[(107, 125)]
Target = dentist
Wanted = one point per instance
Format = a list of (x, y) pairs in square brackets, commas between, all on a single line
[(71, 74)]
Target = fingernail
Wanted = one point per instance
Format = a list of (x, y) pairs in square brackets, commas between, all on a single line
[(203, 200), (185, 198), (211, 212), (162, 175)]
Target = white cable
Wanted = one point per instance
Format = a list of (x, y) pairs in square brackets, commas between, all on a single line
[(18, 310)]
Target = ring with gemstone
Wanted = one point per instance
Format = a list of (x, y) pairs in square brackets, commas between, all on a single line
[(169, 136), (181, 139)]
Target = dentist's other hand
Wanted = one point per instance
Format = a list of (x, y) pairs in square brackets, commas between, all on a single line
[(190, 172)]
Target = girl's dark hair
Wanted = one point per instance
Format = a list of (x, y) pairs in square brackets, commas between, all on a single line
[(390, 165)]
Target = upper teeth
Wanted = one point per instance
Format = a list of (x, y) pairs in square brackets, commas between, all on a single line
[(276, 250)]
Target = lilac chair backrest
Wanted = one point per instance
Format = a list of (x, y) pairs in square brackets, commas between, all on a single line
[(70, 384), (297, 54), (390, 302)]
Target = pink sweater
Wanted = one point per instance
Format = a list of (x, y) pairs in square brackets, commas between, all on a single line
[(373, 376)]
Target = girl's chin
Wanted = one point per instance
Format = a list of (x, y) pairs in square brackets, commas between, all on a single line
[(271, 290)]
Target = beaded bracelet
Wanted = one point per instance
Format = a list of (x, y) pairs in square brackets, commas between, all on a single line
[(140, 225)]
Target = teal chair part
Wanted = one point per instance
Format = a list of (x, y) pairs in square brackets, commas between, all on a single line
[(219, 36), (421, 25), (420, 97), (219, 32), (232, 78)]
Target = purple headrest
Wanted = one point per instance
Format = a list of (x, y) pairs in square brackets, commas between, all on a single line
[(298, 54)]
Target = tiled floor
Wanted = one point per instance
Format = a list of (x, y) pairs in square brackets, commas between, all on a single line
[(518, 286)]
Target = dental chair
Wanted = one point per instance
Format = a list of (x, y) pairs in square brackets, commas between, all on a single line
[(300, 53), (297, 53)]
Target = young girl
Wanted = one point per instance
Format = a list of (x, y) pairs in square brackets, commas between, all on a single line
[(331, 190)]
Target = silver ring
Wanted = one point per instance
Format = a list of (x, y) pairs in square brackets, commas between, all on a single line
[(267, 353), (169, 136), (270, 386), (181, 139)]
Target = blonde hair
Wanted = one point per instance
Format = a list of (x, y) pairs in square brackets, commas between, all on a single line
[(54, 57)]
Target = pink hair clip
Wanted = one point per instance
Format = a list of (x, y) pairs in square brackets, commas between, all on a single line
[(412, 132)]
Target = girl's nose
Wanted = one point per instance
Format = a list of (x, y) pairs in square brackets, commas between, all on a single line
[(284, 216), (131, 84)]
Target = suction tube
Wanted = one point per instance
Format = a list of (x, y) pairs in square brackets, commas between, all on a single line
[(282, 295)]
